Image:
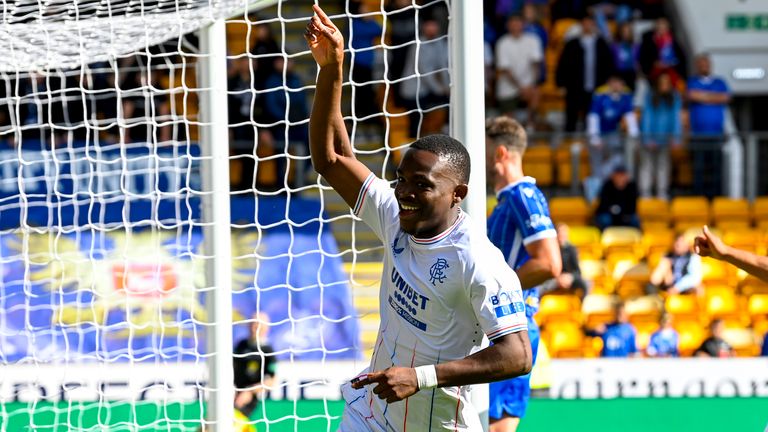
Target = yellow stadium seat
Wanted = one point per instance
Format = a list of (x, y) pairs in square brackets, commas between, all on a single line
[(683, 307), (570, 210), (556, 307), (538, 163), (751, 285), (723, 303), (728, 213), (757, 306), (743, 341), (760, 212), (691, 336), (587, 240), (689, 212), (560, 29), (644, 310), (631, 278), (744, 238), (596, 273), (563, 160), (657, 243), (653, 213), (565, 340), (598, 309), (622, 239), (714, 272)]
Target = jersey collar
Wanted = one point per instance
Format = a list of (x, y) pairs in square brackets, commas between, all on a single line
[(526, 179), (442, 235)]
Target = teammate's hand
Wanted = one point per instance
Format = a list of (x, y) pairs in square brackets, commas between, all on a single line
[(392, 384), (325, 40), (709, 245)]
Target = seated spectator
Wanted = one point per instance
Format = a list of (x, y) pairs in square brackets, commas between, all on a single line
[(431, 86), (618, 336), (679, 271), (715, 345), (570, 280), (659, 52), (661, 128), (664, 341), (708, 98), (625, 50), (254, 366), (611, 104), (518, 58), (617, 205)]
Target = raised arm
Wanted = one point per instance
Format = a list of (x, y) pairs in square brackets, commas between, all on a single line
[(329, 146), (508, 357), (708, 244)]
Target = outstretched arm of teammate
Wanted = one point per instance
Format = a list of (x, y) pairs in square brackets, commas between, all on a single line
[(331, 152), (710, 245), (545, 263), (508, 357)]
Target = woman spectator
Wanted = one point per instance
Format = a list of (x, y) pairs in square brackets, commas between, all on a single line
[(661, 128), (625, 51)]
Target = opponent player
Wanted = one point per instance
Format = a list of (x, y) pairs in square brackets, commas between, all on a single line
[(521, 227), (443, 284)]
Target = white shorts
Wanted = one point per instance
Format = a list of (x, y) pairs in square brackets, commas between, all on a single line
[(357, 413)]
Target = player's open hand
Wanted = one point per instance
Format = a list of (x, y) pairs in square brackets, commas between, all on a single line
[(324, 39), (392, 384), (709, 245)]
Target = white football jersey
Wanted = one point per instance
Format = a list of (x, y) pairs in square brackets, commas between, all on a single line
[(438, 297)]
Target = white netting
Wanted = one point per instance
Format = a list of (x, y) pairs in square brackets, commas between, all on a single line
[(103, 289)]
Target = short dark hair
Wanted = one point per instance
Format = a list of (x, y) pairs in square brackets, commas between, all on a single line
[(506, 131), (449, 149)]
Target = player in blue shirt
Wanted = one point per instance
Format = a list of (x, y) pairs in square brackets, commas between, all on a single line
[(619, 337), (665, 340), (521, 227)]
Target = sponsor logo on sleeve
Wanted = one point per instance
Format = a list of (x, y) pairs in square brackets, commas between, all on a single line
[(505, 304)]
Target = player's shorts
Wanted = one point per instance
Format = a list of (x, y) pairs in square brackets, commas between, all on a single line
[(357, 414), (511, 396)]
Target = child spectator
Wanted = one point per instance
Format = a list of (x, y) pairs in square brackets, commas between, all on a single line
[(664, 341), (661, 128), (618, 201), (679, 271), (611, 104), (619, 336), (715, 345)]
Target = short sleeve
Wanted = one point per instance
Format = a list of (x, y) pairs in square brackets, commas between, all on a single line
[(531, 213), (376, 205), (497, 299)]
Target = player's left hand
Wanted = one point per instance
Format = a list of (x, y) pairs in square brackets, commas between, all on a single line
[(392, 384)]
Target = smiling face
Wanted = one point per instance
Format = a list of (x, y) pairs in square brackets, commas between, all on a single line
[(428, 192)]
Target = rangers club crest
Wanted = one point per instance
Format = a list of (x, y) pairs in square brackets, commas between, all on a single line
[(436, 271)]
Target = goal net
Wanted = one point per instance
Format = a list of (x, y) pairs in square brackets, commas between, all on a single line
[(104, 287)]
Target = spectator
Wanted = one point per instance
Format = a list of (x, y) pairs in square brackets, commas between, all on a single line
[(254, 366), (570, 280), (625, 51), (265, 51), (430, 88), (584, 65), (518, 56), (715, 345), (534, 27), (661, 129), (618, 336), (617, 204), (286, 104), (679, 271), (708, 97), (764, 350), (659, 52), (664, 341), (366, 31), (611, 104)]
